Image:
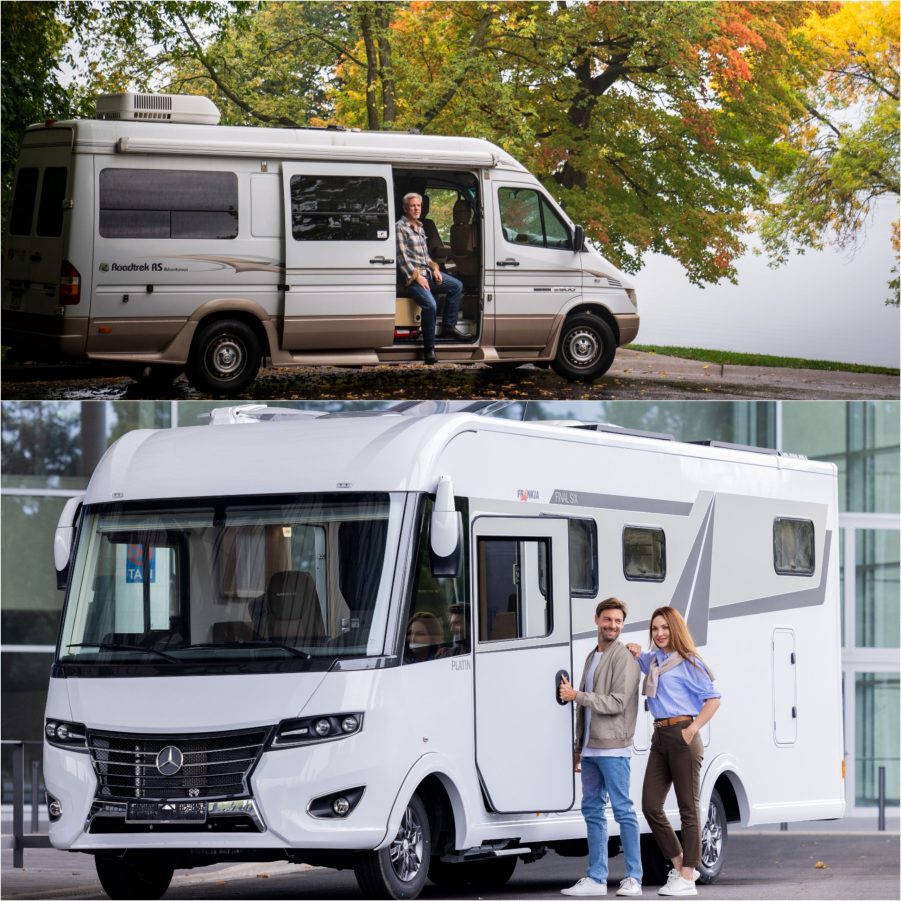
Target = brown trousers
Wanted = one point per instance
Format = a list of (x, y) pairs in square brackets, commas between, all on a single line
[(673, 762)]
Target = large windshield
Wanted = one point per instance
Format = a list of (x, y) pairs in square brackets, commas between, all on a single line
[(301, 579)]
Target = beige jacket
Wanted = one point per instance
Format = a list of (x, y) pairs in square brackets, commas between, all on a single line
[(613, 700)]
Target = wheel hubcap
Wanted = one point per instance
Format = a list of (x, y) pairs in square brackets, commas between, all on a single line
[(711, 838), (582, 347), (226, 357), (406, 849)]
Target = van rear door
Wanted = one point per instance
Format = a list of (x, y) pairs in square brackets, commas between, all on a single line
[(523, 641), (37, 231), (339, 256)]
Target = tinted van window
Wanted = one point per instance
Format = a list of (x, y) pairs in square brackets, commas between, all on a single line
[(22, 211), (50, 209), (339, 208)]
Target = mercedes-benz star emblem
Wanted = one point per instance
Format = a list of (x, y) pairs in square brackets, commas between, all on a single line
[(169, 761)]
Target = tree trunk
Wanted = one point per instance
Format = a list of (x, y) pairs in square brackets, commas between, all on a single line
[(372, 65), (384, 15)]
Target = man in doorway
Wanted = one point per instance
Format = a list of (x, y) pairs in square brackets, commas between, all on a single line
[(607, 708), (421, 276)]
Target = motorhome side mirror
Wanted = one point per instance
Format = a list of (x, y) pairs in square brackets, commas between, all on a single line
[(445, 533), (64, 539), (579, 239)]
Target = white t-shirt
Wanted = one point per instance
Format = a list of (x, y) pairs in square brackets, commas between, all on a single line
[(598, 752)]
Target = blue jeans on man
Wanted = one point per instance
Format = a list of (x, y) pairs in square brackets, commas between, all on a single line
[(604, 777), (425, 299)]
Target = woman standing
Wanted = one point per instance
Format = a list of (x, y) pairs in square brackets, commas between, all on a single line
[(681, 698)]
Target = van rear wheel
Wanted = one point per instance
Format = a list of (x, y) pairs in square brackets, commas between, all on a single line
[(225, 357), (586, 349), (713, 840), (137, 874), (399, 871)]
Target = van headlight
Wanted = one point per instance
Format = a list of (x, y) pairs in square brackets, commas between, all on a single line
[(633, 297), (66, 735), (312, 729)]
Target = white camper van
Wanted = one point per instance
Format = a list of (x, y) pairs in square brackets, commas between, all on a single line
[(158, 240), (233, 682)]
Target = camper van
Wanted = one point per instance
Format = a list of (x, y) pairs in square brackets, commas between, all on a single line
[(336, 639), (158, 240)]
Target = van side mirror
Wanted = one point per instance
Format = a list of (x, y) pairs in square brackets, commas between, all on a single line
[(579, 239), (64, 539), (445, 532)]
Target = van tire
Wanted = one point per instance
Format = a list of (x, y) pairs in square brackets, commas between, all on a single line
[(586, 349), (480, 873), (225, 357), (713, 840), (399, 871), (144, 876)]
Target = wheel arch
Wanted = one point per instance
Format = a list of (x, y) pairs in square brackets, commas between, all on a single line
[(724, 775), (246, 311), (595, 309)]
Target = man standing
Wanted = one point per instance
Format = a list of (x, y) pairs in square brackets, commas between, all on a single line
[(605, 725), (423, 279)]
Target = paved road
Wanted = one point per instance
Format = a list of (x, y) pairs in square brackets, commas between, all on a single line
[(634, 376), (759, 865)]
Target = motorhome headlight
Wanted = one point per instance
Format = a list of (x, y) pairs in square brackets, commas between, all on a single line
[(66, 735), (633, 297), (308, 730)]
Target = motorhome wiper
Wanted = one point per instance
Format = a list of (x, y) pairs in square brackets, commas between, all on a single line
[(250, 644), (110, 646)]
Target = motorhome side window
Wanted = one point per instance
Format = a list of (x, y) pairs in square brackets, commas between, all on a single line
[(339, 208), (793, 547), (644, 554), (24, 196), (583, 558), (527, 218), (164, 203), (514, 594), (50, 206)]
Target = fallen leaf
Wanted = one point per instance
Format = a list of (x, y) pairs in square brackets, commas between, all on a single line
[(819, 865)]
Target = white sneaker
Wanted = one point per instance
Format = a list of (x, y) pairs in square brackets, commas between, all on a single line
[(675, 874), (630, 887), (586, 887), (678, 887)]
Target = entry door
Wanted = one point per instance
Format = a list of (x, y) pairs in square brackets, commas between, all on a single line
[(340, 256), (522, 629), (536, 271)]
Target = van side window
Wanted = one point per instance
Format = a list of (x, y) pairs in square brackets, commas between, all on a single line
[(514, 594), (527, 218), (583, 558), (339, 208), (23, 202), (793, 547), (50, 208), (164, 203), (644, 554)]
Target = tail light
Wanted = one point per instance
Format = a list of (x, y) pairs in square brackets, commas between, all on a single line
[(69, 284)]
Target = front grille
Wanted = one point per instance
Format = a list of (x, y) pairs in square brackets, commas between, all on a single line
[(215, 765)]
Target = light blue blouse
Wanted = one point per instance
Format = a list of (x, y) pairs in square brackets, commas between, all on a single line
[(680, 691)]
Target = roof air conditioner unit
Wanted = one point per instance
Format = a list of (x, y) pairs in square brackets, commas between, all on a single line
[(131, 107)]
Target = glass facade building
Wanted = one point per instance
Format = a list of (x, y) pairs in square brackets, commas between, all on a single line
[(49, 450)]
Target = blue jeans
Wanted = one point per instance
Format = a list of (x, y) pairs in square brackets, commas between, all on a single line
[(450, 286), (604, 777)]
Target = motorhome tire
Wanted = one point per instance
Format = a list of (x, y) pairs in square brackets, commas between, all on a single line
[(399, 871), (713, 840), (655, 866), (225, 357), (484, 873), (586, 349), (135, 875)]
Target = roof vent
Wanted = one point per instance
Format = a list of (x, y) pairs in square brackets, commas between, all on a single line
[(131, 107)]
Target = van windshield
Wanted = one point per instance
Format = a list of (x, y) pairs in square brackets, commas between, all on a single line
[(303, 580)]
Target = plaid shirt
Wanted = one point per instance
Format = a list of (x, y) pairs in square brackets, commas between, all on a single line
[(412, 250)]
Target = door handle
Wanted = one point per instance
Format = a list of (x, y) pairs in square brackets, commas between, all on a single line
[(508, 262), (558, 679), (383, 261)]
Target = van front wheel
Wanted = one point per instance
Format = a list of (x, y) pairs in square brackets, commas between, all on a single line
[(586, 350), (225, 357), (399, 871)]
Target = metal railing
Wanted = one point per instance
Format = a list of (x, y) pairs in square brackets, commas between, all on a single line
[(20, 840)]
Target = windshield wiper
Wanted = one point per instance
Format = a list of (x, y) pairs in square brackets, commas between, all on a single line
[(250, 644), (110, 646)]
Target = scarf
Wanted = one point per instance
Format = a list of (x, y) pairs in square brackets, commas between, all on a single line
[(656, 670)]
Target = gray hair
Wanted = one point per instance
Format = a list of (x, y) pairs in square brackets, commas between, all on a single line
[(409, 197)]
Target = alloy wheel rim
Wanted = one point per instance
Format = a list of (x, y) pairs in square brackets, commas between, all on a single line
[(711, 838), (407, 848)]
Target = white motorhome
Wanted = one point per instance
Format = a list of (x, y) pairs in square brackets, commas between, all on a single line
[(155, 239), (232, 679)]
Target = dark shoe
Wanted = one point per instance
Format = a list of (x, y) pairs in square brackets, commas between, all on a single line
[(430, 357), (451, 331)]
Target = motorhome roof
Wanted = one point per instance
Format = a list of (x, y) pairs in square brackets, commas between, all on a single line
[(389, 451)]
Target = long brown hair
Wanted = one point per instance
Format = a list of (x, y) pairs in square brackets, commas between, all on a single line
[(680, 639)]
